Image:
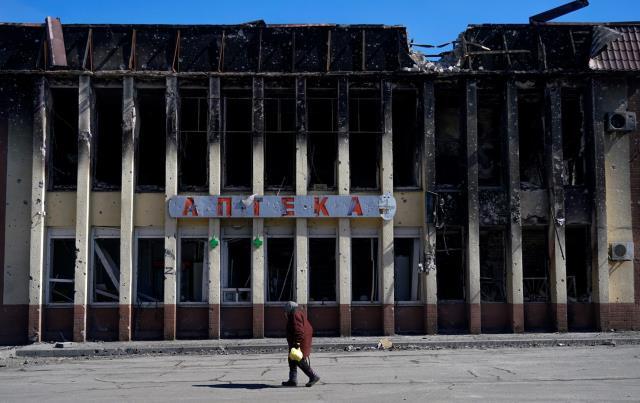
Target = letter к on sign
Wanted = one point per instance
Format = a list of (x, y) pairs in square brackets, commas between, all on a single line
[(333, 206)]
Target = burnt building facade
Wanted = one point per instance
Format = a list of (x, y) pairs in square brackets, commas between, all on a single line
[(165, 182)]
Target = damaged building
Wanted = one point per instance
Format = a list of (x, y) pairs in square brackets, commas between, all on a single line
[(165, 182)]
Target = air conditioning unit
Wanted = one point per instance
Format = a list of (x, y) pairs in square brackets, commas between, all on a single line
[(619, 251), (621, 121)]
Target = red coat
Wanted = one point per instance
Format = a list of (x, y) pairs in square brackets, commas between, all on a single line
[(299, 331)]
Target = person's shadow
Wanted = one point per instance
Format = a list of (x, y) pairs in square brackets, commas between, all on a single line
[(250, 386)]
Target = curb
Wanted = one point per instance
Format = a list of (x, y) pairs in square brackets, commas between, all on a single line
[(321, 347)]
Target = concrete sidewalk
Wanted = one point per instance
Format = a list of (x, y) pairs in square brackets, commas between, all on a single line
[(271, 345)]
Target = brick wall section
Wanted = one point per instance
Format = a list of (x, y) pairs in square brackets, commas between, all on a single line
[(634, 105)]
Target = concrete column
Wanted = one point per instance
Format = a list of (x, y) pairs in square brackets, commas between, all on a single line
[(599, 241), (472, 274), (387, 269), (213, 134), (428, 277), (514, 240), (130, 130), (171, 224), (344, 226), (41, 124), (555, 175), (257, 256), (83, 193), (302, 249)]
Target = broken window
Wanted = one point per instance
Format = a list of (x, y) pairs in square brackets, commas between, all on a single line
[(150, 153), (573, 138), (405, 265), (532, 139), (450, 151), (490, 136), (578, 250), (365, 129), (150, 270), (322, 269), (406, 138), (492, 265), (106, 270), (107, 162), (279, 137), (280, 269), (236, 275), (193, 149), (364, 269), (322, 139), (535, 265), (237, 156), (193, 275), (62, 261), (63, 146), (450, 263)]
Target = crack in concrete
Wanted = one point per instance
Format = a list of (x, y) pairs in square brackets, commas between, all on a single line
[(472, 373), (505, 370)]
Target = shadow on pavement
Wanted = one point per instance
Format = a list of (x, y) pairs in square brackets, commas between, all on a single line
[(238, 386)]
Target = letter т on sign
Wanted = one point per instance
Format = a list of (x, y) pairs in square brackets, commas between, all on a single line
[(332, 206)]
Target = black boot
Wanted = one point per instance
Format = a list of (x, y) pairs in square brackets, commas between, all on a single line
[(293, 375), (306, 368)]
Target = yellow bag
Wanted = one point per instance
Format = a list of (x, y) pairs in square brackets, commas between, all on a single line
[(295, 354)]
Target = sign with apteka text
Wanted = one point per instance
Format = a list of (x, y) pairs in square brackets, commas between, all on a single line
[(313, 206)]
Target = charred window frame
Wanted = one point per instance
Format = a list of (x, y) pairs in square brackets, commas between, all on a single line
[(149, 271), (236, 273), (151, 150), (279, 136), (193, 146), (535, 265), (281, 269), (491, 135), (365, 136), (493, 274), (574, 148), (322, 138), (105, 266), (61, 261), (193, 276), (63, 142), (450, 261), (450, 148), (407, 136), (406, 255), (365, 270), (107, 143), (237, 145), (531, 127), (322, 269), (578, 250)]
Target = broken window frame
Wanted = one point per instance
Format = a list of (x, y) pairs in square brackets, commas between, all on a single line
[(501, 284), (444, 91), (540, 140), (335, 269), (102, 233), (578, 95), (418, 137), (322, 134), (355, 131), (278, 95), (99, 186), (459, 231), (52, 235), (51, 147), (202, 236), (377, 300), (225, 269), (545, 281), (417, 253), (495, 137), (201, 131), (588, 296), (146, 233), (233, 93), (141, 90), (280, 234)]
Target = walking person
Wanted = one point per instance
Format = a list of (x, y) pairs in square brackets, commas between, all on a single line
[(299, 334)]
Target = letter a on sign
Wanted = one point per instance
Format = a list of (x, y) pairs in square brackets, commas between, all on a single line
[(319, 206), (189, 207), (356, 208)]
